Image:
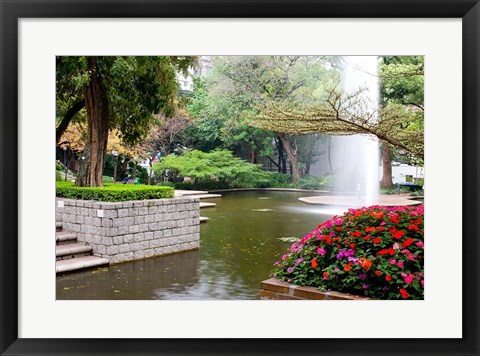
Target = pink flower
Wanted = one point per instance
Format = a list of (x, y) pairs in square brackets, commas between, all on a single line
[(392, 262), (339, 221), (409, 278), (400, 264), (419, 244), (411, 257), (422, 282), (403, 274), (396, 246), (321, 251)]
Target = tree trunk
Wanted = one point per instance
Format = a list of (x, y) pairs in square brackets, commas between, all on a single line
[(387, 181), (67, 118), (252, 154), (292, 156), (96, 103), (124, 168)]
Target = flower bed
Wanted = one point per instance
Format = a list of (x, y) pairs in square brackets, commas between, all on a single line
[(113, 192), (376, 252)]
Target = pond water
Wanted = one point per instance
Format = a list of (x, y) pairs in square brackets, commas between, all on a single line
[(238, 247)]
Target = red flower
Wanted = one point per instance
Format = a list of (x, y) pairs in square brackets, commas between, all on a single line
[(407, 242), (378, 273), (398, 235), (347, 267), (392, 230), (395, 219), (378, 215), (365, 263), (380, 228), (338, 228), (404, 293), (366, 238), (314, 263), (352, 245), (325, 274), (391, 251), (388, 277), (413, 227), (377, 240), (370, 229)]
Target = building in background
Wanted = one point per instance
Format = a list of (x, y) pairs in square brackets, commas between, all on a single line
[(204, 65)]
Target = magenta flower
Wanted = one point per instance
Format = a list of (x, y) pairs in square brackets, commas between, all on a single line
[(321, 251), (409, 278), (297, 262), (339, 221), (364, 286), (289, 269), (392, 262), (400, 264), (349, 253), (362, 276), (419, 244)]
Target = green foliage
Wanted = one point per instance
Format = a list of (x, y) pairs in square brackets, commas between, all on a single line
[(58, 176), (113, 192), (219, 165), (166, 184), (58, 167), (312, 182), (377, 252), (276, 180), (393, 190), (107, 179)]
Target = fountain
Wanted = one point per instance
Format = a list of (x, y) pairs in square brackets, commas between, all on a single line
[(355, 158)]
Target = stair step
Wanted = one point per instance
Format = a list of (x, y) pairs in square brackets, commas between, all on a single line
[(59, 226), (207, 205), (203, 219), (74, 264), (72, 249), (65, 237), (206, 196)]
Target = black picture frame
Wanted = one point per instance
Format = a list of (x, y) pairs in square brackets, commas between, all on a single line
[(11, 11)]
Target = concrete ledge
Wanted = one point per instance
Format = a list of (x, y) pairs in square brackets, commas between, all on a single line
[(275, 289)]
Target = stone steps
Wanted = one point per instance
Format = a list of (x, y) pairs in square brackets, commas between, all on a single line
[(207, 205), (203, 219), (206, 196), (77, 263), (72, 250), (65, 237), (72, 255)]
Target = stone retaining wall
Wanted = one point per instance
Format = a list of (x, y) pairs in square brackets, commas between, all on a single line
[(275, 289), (132, 230)]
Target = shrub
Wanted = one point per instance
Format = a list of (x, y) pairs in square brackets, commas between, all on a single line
[(312, 182), (165, 184), (107, 179), (58, 167), (113, 192), (376, 252), (58, 176)]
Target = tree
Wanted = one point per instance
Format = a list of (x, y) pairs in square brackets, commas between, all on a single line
[(239, 86), (402, 82), (119, 93), (219, 165), (164, 136)]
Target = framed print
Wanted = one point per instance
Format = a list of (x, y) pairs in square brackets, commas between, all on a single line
[(42, 313)]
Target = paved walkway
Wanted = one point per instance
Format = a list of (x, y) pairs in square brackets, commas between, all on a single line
[(355, 201)]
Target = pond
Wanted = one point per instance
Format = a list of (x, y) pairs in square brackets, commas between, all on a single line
[(238, 247)]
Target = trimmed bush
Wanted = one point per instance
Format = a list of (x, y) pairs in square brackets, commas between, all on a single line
[(376, 252), (312, 182), (113, 192), (58, 176)]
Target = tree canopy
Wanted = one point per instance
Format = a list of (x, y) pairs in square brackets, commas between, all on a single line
[(118, 92)]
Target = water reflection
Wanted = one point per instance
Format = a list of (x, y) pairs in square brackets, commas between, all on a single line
[(237, 249)]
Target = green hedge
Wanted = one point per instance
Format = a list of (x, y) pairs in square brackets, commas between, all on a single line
[(113, 192)]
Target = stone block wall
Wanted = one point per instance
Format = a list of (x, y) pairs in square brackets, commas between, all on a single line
[(278, 290), (132, 230)]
